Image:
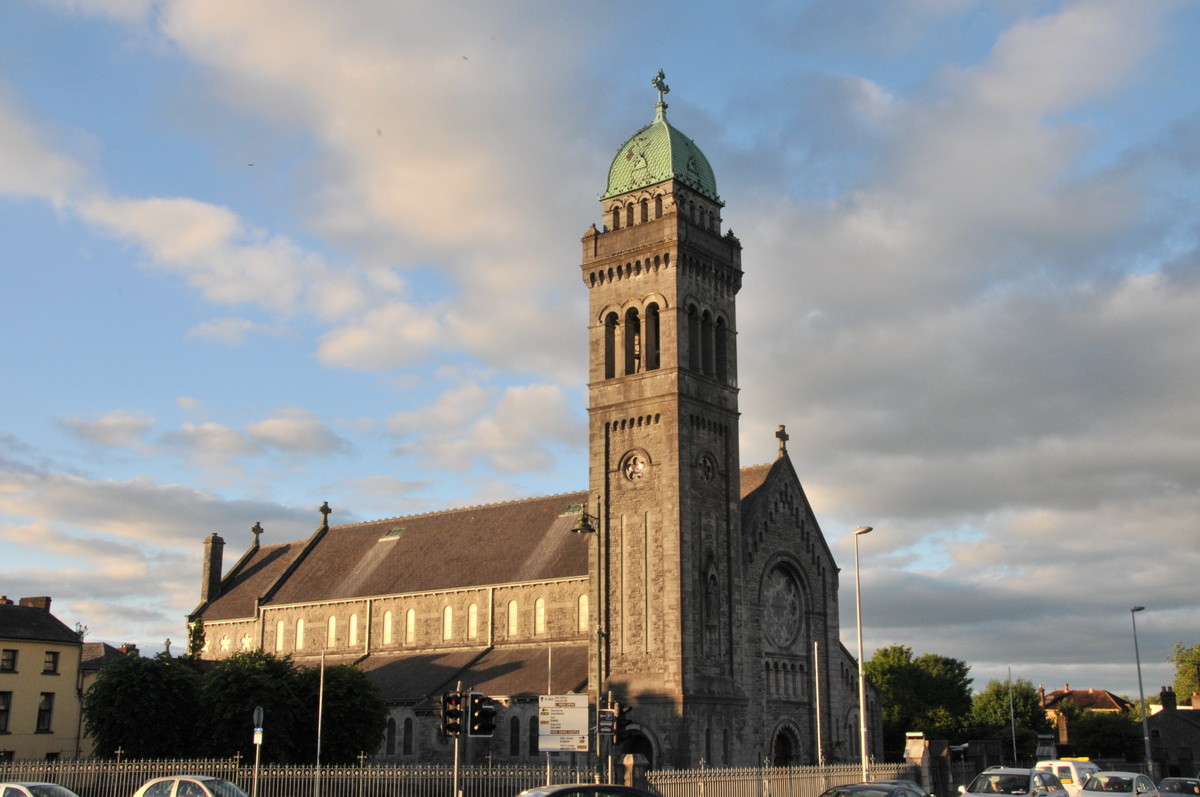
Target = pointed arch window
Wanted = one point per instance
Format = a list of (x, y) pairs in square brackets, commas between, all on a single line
[(390, 744), (331, 635), (721, 341), (300, 634), (610, 345), (645, 210), (353, 635), (279, 635), (658, 206), (406, 743), (629, 215), (616, 218), (410, 626), (448, 623), (539, 616), (514, 737), (633, 342), (472, 621), (693, 354), (582, 609), (706, 344), (514, 620), (650, 345), (533, 735), (387, 628)]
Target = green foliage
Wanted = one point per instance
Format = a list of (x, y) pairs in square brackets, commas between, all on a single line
[(145, 707), (1187, 670), (195, 638), (1107, 734), (181, 707), (993, 717), (929, 693), (230, 692), (355, 715)]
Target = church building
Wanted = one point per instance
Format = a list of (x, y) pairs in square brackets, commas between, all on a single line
[(700, 592)]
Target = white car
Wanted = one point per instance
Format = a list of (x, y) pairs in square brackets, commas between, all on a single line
[(1131, 784), (25, 789), (188, 786), (1072, 773)]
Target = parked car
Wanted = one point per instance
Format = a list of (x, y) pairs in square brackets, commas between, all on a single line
[(1072, 772), (1105, 784), (585, 790), (878, 788), (188, 786), (1179, 786), (1015, 781), (27, 789)]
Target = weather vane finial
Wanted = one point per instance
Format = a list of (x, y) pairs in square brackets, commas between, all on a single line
[(660, 82)]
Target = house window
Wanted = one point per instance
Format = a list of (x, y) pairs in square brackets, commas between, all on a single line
[(539, 616), (50, 665), (353, 630), (583, 612), (300, 634), (410, 626), (407, 741), (5, 707), (331, 637), (279, 635), (448, 623), (472, 621), (514, 619), (45, 713), (387, 628), (8, 660)]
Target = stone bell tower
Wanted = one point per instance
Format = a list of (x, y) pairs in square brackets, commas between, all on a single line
[(664, 463)]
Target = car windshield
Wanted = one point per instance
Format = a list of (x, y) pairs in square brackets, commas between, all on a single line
[(49, 790), (223, 788), (1000, 783), (1110, 783)]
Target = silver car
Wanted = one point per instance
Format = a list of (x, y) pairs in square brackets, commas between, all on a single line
[(188, 786), (33, 789), (1015, 782), (1106, 784)]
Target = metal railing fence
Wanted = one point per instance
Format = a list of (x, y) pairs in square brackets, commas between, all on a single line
[(94, 778), (769, 781)]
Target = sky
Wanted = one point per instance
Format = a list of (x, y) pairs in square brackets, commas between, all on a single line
[(260, 254)]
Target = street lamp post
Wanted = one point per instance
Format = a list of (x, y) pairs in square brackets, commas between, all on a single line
[(1137, 657), (584, 526), (862, 678)]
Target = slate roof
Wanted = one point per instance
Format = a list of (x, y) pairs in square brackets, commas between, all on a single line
[(33, 624), (98, 655), (511, 542)]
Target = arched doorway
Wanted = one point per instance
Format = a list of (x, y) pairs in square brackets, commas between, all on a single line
[(636, 744), (785, 750)]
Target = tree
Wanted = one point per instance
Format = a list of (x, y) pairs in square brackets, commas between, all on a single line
[(1005, 705), (929, 693), (144, 707), (1107, 734), (1187, 670), (230, 692), (354, 709)]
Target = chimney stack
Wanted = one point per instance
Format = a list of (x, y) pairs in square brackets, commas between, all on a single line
[(210, 583), (1167, 695), (39, 602)]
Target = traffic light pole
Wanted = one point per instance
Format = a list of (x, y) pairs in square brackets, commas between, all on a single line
[(457, 749)]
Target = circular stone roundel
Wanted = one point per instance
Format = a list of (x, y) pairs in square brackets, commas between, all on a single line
[(781, 607)]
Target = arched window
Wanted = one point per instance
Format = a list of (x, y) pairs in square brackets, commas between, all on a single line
[(390, 743), (629, 215), (353, 640), (410, 626), (533, 735), (722, 350), (633, 342), (610, 345), (582, 609), (616, 218), (650, 346), (472, 621), (693, 322), (448, 623), (406, 743), (706, 344), (300, 634), (645, 210), (279, 635), (514, 620), (387, 628), (331, 635), (539, 616), (658, 206), (514, 736)]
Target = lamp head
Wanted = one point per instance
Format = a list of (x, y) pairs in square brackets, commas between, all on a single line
[(583, 525), (862, 530), (1138, 609)]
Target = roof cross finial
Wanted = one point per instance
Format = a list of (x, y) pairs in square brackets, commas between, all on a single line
[(783, 438), (660, 82), (257, 531), (325, 510)]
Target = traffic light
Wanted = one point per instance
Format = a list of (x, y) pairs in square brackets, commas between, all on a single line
[(452, 714), (622, 734), (481, 715)]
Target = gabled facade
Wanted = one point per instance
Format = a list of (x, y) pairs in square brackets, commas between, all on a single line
[(39, 683), (705, 594)]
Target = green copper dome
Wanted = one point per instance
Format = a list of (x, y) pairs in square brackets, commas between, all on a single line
[(659, 152)]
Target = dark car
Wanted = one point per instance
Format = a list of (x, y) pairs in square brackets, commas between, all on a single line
[(877, 788), (1179, 785), (585, 790)]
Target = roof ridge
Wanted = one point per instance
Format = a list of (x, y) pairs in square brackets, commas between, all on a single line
[(451, 510)]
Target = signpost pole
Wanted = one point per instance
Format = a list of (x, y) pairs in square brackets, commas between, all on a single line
[(258, 739)]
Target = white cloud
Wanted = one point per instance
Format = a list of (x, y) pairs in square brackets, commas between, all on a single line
[(29, 167), (231, 331), (119, 428), (297, 431)]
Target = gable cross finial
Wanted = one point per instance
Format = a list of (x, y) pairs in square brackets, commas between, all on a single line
[(257, 531), (783, 438), (325, 510), (660, 82)]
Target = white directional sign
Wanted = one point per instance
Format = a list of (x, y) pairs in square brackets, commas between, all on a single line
[(563, 723)]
